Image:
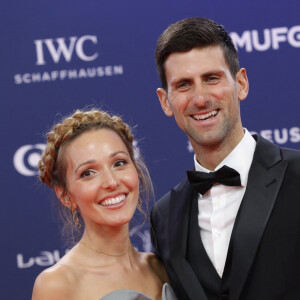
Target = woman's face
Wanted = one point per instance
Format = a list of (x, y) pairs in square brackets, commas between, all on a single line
[(102, 179)]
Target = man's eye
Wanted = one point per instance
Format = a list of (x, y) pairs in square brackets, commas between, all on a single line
[(183, 85), (120, 163), (212, 78)]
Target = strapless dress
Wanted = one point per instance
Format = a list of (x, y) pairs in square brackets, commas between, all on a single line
[(167, 294)]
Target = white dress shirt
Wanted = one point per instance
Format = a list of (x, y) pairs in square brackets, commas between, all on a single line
[(218, 207)]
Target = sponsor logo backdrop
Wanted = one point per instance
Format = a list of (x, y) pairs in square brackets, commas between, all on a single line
[(57, 56)]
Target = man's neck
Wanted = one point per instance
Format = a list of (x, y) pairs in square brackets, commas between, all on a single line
[(210, 157)]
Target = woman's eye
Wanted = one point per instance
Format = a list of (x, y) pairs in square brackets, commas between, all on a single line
[(120, 163), (86, 173)]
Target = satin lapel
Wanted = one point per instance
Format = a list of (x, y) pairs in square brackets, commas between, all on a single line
[(181, 199), (264, 181)]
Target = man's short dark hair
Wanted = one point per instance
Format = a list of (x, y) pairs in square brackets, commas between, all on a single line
[(190, 33)]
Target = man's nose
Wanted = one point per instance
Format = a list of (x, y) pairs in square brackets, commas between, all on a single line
[(200, 95)]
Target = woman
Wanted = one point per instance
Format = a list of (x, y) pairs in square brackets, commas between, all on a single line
[(89, 162)]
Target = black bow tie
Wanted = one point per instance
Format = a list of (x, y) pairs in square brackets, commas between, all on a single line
[(204, 181)]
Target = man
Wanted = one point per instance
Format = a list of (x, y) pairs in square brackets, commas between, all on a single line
[(235, 233)]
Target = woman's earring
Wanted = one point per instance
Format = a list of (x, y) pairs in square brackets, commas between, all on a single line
[(75, 218)]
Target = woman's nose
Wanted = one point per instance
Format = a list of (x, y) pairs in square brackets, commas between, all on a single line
[(109, 180)]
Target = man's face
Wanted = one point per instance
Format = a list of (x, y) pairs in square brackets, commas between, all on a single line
[(204, 97)]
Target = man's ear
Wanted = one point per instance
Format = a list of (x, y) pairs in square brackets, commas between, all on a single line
[(63, 197), (243, 84), (164, 102)]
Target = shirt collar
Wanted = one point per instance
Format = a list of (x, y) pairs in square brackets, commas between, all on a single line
[(240, 158)]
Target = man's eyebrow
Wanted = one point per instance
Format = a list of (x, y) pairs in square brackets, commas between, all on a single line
[(213, 72), (181, 79)]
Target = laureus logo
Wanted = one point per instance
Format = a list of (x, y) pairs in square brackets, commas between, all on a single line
[(45, 259), (26, 159)]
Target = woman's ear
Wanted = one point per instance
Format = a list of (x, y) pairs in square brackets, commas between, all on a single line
[(63, 197)]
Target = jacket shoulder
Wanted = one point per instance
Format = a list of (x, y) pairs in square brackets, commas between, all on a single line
[(290, 154), (164, 200)]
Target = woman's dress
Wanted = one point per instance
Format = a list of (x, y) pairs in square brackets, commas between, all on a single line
[(167, 294)]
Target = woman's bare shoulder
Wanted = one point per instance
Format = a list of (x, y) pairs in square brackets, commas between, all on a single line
[(54, 283)]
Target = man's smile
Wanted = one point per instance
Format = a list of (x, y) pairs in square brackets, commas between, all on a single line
[(205, 116)]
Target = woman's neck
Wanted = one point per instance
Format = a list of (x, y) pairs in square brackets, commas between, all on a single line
[(114, 242)]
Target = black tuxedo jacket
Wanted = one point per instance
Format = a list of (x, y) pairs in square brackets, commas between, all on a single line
[(265, 241)]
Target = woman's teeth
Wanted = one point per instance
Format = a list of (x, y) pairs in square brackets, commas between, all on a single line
[(111, 201)]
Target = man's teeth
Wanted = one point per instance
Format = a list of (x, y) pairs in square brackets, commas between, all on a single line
[(111, 201), (205, 116)]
